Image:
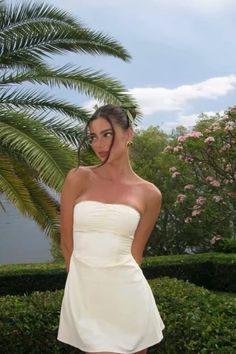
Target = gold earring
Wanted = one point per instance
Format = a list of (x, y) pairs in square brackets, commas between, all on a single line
[(129, 143)]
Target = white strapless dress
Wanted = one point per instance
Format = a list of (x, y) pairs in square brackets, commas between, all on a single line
[(108, 304)]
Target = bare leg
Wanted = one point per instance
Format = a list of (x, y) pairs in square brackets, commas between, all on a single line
[(144, 351), (105, 353)]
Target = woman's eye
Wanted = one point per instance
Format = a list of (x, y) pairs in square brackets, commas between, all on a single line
[(108, 134), (91, 139)]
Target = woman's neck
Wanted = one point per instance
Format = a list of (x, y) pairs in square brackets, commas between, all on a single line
[(116, 171)]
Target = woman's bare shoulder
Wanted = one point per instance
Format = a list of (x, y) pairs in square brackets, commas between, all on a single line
[(152, 191), (148, 187), (151, 194), (78, 174)]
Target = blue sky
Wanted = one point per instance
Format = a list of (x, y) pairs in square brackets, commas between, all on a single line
[(183, 54)]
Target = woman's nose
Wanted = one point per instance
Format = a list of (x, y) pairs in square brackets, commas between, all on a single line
[(100, 143)]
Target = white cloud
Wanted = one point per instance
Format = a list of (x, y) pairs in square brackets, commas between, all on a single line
[(159, 99), (188, 121)]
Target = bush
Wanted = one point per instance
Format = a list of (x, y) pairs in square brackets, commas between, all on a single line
[(225, 245), (214, 271), (196, 321), (25, 278)]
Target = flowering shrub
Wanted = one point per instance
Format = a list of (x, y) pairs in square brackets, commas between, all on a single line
[(205, 180)]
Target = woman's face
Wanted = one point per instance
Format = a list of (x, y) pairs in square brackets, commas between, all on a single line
[(100, 133)]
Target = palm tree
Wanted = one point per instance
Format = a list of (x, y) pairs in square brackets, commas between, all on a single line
[(39, 132)]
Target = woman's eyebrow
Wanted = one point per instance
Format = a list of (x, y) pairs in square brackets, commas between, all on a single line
[(102, 131)]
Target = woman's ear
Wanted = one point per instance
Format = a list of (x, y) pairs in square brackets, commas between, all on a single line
[(130, 134)]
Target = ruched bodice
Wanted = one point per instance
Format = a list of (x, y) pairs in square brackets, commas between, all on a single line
[(108, 305), (103, 233)]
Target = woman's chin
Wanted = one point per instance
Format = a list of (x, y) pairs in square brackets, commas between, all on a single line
[(102, 158)]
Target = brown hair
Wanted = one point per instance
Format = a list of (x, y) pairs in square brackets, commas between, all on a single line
[(112, 114)]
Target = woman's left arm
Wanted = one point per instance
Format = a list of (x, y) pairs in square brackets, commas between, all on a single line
[(146, 223)]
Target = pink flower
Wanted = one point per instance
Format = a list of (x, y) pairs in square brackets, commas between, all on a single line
[(188, 220), (188, 187), (182, 138), (172, 169), (217, 198), (226, 116), (188, 159), (215, 126), (225, 147), (201, 200), (209, 140), (209, 178), (216, 238), (175, 174), (178, 148), (194, 134), (181, 198), (168, 148), (228, 167), (215, 183), (229, 126), (196, 212), (232, 109)]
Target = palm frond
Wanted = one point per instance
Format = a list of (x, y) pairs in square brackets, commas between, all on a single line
[(43, 35), (28, 195), (12, 186), (33, 100), (46, 212), (37, 146), (66, 130), (92, 83), (26, 61), (18, 14)]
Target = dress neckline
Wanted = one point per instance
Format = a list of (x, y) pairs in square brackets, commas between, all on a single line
[(105, 203)]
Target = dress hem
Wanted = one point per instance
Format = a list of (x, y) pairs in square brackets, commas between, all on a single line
[(113, 350)]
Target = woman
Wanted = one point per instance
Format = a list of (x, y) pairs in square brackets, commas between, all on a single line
[(107, 215)]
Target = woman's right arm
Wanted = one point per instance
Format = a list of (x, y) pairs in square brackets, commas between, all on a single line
[(69, 194)]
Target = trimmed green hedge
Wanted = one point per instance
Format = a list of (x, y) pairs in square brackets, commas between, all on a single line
[(214, 271), (19, 279), (196, 321)]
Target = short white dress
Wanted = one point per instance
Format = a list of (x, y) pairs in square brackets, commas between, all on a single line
[(108, 304)]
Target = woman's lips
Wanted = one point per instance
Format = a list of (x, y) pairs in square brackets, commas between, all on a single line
[(103, 154)]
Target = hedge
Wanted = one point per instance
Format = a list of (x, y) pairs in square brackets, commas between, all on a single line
[(196, 321), (214, 271)]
